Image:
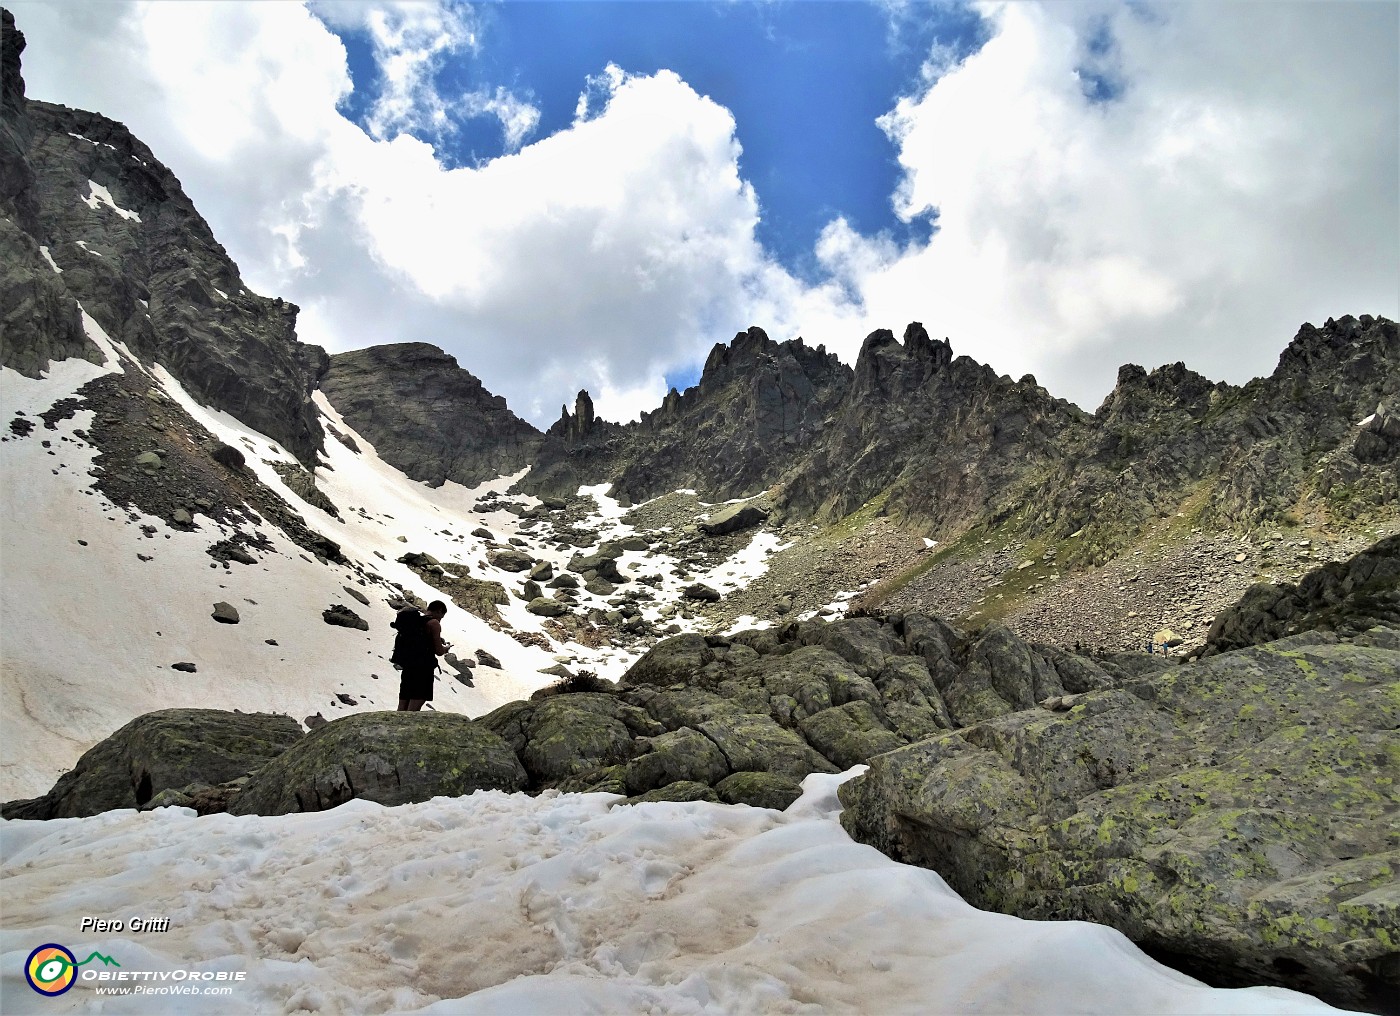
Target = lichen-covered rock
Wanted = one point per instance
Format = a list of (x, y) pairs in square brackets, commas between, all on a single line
[(682, 791), (849, 734), (164, 750), (676, 660), (564, 736), (684, 754), (759, 790), (387, 757), (1238, 813), (757, 744)]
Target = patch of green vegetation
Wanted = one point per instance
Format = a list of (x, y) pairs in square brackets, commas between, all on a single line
[(856, 522)]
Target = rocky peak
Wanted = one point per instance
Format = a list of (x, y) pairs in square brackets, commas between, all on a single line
[(1174, 388), (1351, 347), (919, 346), (748, 349), (137, 256), (427, 416), (885, 366), (16, 176), (577, 427)]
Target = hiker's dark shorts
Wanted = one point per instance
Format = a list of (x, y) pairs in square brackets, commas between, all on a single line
[(416, 684)]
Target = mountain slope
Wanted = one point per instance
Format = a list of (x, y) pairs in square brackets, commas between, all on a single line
[(433, 420)]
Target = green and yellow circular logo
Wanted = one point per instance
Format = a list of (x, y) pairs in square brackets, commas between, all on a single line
[(51, 969)]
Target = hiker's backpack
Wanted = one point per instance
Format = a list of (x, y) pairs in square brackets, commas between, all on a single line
[(412, 645)]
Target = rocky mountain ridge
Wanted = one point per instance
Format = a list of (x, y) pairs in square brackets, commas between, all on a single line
[(945, 446), (96, 218)]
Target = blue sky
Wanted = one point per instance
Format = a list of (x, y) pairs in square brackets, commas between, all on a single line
[(570, 195), (806, 82)]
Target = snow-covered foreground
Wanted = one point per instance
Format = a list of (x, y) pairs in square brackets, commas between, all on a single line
[(499, 903)]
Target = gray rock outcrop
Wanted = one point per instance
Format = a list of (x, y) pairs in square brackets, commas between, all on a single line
[(1236, 815), (1348, 597), (426, 416), (389, 758), (733, 519), (164, 750)]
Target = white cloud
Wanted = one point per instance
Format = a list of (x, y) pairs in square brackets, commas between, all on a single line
[(1244, 180), (623, 242)]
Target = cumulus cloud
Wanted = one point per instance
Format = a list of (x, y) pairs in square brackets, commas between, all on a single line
[(1239, 178), (1243, 179), (598, 256)]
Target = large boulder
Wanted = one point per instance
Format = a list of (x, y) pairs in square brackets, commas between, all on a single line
[(677, 755), (849, 735), (732, 519), (511, 560), (568, 735), (676, 660), (389, 758), (164, 750), (753, 743), (759, 790), (1237, 814), (1348, 597)]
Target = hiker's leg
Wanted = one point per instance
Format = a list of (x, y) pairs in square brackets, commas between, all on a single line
[(415, 704), (403, 705)]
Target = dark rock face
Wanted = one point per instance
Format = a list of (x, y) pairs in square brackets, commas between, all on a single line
[(389, 758), (1347, 597), (426, 416), (940, 438), (156, 279), (16, 176), (165, 750), (753, 414), (40, 319), (144, 265), (1235, 815)]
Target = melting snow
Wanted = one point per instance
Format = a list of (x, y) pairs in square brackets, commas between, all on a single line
[(84, 246), (99, 195), (497, 903), (49, 258)]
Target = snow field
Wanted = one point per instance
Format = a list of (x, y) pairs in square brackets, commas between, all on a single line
[(88, 632), (499, 903)]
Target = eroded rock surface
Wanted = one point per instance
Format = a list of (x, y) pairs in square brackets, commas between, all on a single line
[(1237, 815), (389, 758), (165, 750)]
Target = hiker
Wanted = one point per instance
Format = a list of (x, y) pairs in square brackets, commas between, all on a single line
[(417, 646)]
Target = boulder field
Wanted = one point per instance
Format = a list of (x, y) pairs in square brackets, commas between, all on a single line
[(1236, 816)]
